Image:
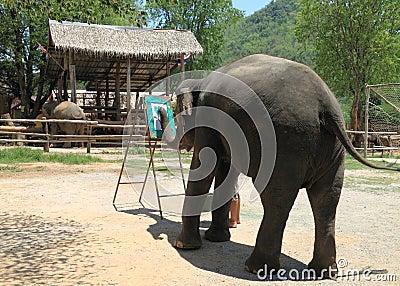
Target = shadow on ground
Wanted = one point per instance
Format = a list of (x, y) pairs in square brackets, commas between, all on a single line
[(212, 256), (34, 249)]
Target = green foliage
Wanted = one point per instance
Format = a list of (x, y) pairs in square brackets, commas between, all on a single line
[(345, 105), (25, 22), (356, 42), (270, 30), (207, 19), (27, 155)]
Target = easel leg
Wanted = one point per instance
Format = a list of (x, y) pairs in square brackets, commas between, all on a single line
[(155, 180), (122, 167), (151, 165), (145, 177), (181, 167)]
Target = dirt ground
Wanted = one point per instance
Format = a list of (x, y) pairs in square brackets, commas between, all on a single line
[(58, 227)]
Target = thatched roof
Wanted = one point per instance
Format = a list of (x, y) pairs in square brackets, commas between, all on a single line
[(97, 48), (100, 40)]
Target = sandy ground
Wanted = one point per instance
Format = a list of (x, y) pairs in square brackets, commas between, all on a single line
[(58, 227)]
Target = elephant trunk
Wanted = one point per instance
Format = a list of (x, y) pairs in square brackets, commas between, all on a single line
[(169, 136)]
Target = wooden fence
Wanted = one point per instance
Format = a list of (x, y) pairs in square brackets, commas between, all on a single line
[(393, 142), (41, 135)]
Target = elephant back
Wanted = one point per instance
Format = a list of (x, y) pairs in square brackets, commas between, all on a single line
[(68, 110)]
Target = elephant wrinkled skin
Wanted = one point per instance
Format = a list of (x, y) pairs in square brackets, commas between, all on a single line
[(311, 143)]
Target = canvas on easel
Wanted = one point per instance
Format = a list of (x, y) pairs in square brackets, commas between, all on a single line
[(153, 105), (152, 142)]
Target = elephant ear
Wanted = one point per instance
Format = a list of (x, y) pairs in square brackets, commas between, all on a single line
[(77, 114), (184, 102)]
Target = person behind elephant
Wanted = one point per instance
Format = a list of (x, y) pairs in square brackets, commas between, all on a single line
[(234, 211)]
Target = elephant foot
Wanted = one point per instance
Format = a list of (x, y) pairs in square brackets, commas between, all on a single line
[(324, 270), (261, 265), (185, 241), (217, 234)]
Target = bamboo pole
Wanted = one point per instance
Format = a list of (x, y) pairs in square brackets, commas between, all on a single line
[(60, 83), (128, 86), (367, 95), (117, 94), (168, 82), (107, 95), (182, 67), (65, 86), (46, 145), (72, 75), (89, 143)]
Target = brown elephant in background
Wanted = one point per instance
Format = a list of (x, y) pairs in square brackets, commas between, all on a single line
[(65, 110)]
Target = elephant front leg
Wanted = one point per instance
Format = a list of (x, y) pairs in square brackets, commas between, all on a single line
[(226, 178), (195, 196), (189, 238), (277, 205)]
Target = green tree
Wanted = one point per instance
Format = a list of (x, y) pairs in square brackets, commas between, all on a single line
[(270, 30), (207, 19), (356, 42), (25, 22)]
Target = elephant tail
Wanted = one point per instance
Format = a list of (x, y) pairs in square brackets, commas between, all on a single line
[(337, 127)]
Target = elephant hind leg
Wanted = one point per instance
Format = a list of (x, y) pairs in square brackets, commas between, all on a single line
[(226, 177), (277, 204), (324, 198)]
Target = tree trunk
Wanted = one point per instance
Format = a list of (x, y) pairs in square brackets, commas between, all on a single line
[(355, 111), (25, 100), (42, 96)]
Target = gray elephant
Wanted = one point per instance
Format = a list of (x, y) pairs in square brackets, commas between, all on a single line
[(65, 110), (310, 150)]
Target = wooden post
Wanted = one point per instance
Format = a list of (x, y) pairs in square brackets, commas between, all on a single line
[(182, 67), (107, 96), (168, 83), (117, 96), (72, 76), (65, 86), (46, 146), (60, 86), (128, 86), (89, 142), (98, 95), (367, 95), (72, 81)]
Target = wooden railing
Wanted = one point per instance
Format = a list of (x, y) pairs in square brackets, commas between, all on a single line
[(41, 135), (392, 136)]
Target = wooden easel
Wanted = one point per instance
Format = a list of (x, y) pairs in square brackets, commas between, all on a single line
[(151, 143)]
